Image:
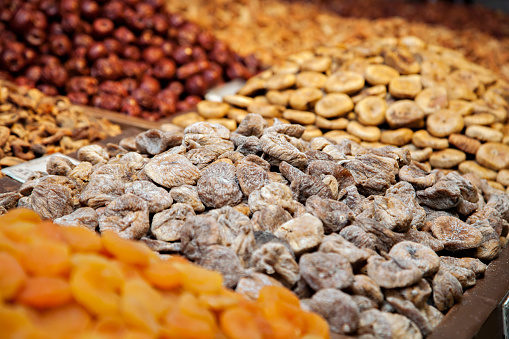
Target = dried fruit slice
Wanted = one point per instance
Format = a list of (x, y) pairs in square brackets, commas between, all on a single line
[(397, 137), (95, 282), (365, 286), (403, 113), (462, 107), (311, 79), (432, 99), (326, 270), (238, 100), (422, 256), (12, 276), (405, 87), (443, 123), (446, 290), (252, 86), (393, 272), (455, 234), (280, 81), (338, 308), (380, 74), (447, 158), (376, 91), (366, 133), (334, 124), (484, 133), (471, 166), (402, 60), (334, 105), (264, 109), (305, 98), (494, 156), (371, 111), (303, 233), (286, 67), (422, 139), (211, 109), (170, 170), (344, 82), (317, 64), (464, 143), (408, 309), (483, 119)]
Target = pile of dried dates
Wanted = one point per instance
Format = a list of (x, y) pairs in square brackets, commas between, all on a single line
[(127, 56), (386, 240)]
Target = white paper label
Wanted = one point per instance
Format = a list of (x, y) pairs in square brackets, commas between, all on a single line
[(23, 171)]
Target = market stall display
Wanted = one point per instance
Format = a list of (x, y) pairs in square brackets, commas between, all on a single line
[(357, 187), (131, 57), (274, 29), (447, 111), (81, 285), (343, 226), (33, 125)]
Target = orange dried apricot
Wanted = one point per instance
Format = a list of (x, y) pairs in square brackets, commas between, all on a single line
[(164, 275), (65, 320), (47, 257), (67, 282), (15, 322), (81, 239), (315, 325), (12, 276), (126, 251), (237, 323), (96, 283), (141, 306), (189, 321), (200, 280), (44, 292), (20, 214)]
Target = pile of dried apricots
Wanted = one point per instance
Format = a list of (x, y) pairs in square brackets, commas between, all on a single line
[(67, 282)]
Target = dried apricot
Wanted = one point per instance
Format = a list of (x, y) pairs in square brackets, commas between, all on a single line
[(237, 323), (96, 283), (47, 257), (127, 251), (163, 275), (12, 276), (45, 292)]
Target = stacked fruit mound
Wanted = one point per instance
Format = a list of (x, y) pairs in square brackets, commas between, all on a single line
[(129, 56), (60, 282), (449, 112)]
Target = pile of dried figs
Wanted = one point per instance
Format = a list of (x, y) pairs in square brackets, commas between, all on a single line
[(368, 231), (33, 125), (446, 110)]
